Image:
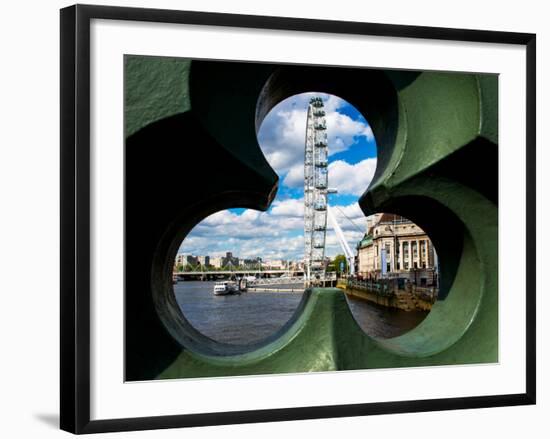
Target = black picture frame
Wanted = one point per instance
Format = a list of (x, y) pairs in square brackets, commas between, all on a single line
[(75, 217)]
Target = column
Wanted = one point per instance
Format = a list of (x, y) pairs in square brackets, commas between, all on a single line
[(418, 253), (392, 255), (410, 255), (401, 256), (424, 253), (428, 262)]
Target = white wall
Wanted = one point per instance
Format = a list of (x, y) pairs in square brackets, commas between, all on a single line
[(29, 216)]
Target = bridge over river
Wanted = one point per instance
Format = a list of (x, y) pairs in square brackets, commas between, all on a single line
[(227, 274)]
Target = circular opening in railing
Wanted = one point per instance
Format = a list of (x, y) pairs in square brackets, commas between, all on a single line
[(240, 274), (396, 276)]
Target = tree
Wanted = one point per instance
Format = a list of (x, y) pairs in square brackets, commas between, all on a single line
[(340, 264)]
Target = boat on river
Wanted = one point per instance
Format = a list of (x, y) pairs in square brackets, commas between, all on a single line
[(225, 287)]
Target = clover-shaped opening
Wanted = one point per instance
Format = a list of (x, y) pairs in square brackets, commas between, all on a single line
[(231, 103), (240, 274)]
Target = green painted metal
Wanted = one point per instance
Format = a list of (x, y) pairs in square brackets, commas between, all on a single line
[(155, 88), (442, 112), (437, 138)]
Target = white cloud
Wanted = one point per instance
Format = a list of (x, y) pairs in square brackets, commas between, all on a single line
[(295, 176), (282, 133), (343, 130), (330, 102), (292, 207), (222, 217), (351, 179), (277, 233), (348, 179)]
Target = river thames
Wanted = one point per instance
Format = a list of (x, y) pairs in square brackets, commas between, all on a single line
[(253, 316)]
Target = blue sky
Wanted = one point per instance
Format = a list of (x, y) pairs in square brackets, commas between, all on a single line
[(278, 233)]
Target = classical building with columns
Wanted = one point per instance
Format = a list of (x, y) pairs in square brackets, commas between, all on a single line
[(396, 247)]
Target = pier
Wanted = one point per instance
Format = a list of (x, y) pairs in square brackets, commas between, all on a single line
[(387, 292), (265, 281), (289, 284)]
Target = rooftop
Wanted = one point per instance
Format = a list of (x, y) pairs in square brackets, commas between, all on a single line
[(365, 242)]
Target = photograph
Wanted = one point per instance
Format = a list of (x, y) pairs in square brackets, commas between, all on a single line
[(274, 219), (288, 218), (268, 218)]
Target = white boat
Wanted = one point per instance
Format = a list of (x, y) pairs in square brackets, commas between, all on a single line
[(225, 287)]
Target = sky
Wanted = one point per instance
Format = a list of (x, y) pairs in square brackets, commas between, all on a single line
[(278, 233)]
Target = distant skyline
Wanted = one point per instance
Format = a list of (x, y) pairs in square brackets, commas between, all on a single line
[(278, 233)]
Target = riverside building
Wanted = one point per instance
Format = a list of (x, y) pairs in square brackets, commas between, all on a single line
[(395, 247)]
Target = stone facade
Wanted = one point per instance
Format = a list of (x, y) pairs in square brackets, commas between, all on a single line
[(409, 252)]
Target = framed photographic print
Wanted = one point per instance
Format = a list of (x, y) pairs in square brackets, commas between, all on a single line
[(268, 218)]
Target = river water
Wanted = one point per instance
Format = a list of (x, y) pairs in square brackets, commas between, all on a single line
[(251, 317)]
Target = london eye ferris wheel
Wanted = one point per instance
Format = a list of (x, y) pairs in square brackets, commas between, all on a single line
[(315, 191)]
